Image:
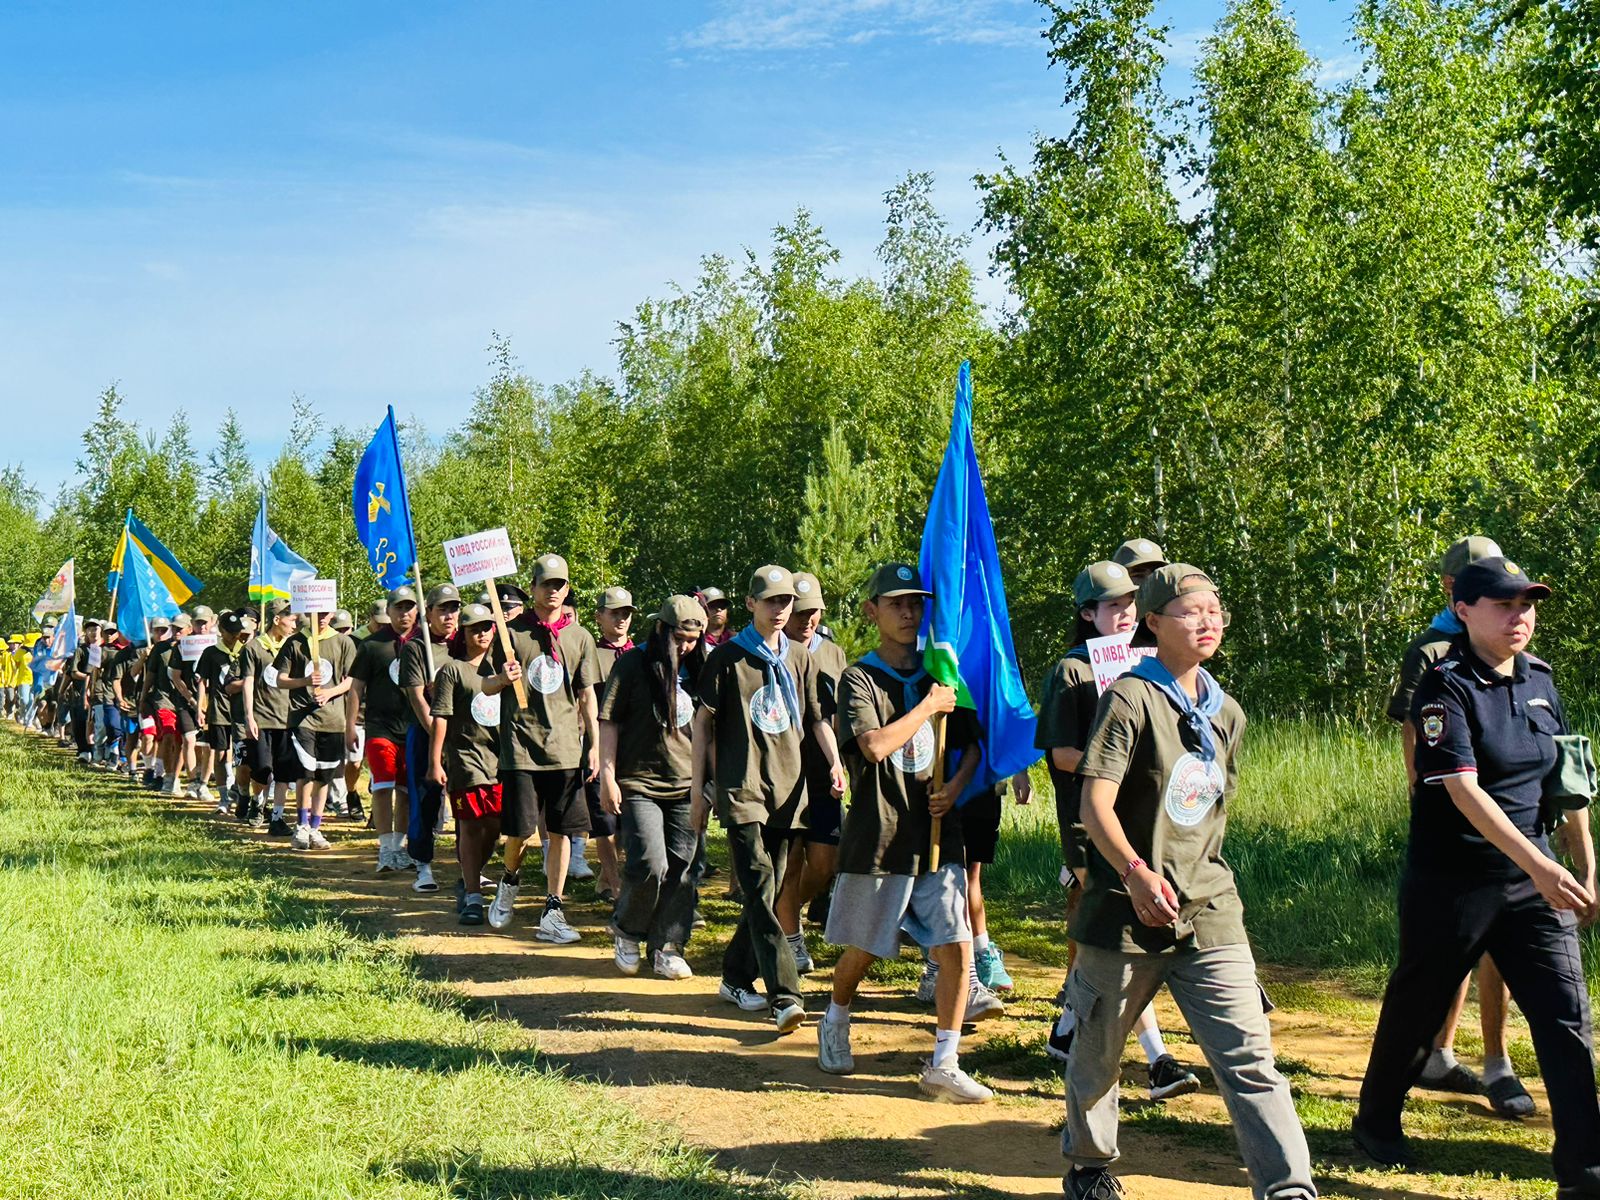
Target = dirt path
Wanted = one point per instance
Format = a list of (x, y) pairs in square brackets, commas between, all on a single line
[(730, 1085)]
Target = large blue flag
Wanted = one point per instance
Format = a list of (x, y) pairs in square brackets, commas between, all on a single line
[(382, 512), (66, 638), (966, 632), (179, 582), (143, 597), (272, 563)]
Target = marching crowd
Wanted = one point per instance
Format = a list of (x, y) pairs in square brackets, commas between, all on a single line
[(548, 736)]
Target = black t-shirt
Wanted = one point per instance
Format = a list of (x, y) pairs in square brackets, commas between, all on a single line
[(1469, 718)]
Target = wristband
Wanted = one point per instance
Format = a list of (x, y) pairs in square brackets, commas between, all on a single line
[(1132, 867)]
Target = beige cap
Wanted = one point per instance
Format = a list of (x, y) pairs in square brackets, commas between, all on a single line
[(342, 620), (1168, 582), (182, 621), (682, 612), (475, 614), (615, 597), (1104, 580), (769, 581), (1139, 552), (445, 593), (550, 566), (807, 593), (201, 613)]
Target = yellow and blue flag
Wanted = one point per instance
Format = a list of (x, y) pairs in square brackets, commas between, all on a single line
[(179, 582), (382, 511), (142, 598), (272, 564)]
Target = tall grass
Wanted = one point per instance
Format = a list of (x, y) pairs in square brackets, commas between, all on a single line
[(1316, 838)]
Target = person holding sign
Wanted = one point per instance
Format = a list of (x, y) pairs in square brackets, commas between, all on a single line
[(646, 767), (887, 706), (464, 754), (1159, 902), (314, 668), (186, 692), (758, 697), (550, 748), (377, 697), (268, 747), (419, 660)]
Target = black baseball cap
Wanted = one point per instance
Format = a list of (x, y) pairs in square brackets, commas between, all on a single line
[(1498, 578)]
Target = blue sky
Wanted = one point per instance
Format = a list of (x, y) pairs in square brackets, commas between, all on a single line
[(227, 204)]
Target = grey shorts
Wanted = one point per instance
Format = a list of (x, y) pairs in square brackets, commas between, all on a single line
[(869, 911)]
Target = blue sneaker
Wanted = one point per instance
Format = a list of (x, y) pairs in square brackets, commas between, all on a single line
[(991, 967)]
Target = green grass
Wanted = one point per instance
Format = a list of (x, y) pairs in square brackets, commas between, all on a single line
[(1316, 836), (180, 1023)]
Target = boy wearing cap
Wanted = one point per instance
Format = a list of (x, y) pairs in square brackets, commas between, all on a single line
[(549, 749), (273, 763), (887, 708), (221, 701), (346, 778), (107, 721), (464, 754), (420, 659), (758, 698), (719, 613), (613, 617), (379, 700), (122, 672), (1139, 557), (1442, 1072), (316, 688), (196, 755), (812, 858), (78, 681)]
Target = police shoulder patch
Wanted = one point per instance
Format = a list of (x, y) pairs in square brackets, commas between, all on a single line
[(1433, 723)]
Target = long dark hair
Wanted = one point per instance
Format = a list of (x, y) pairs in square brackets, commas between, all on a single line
[(1083, 629), (661, 656)]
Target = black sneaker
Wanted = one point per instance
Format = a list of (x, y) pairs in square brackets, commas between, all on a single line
[(1460, 1078), (1169, 1077), (148, 778), (1391, 1152), (355, 811), (1509, 1098), (1585, 1187), (471, 914), (279, 828), (152, 780), (257, 812), (1059, 1047), (1090, 1183)]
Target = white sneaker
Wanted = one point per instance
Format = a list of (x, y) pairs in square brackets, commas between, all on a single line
[(670, 964), (982, 1003), (401, 860), (625, 953), (553, 927), (505, 897), (747, 999), (788, 1016), (802, 954), (929, 983), (318, 842), (301, 839), (385, 859), (833, 1047), (201, 792), (425, 881), (952, 1084)]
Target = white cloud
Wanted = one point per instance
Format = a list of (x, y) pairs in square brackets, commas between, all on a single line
[(746, 26)]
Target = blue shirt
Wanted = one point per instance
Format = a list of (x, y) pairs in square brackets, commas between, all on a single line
[(1470, 718), (42, 675)]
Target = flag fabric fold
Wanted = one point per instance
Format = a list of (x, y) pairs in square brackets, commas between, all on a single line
[(273, 565), (60, 595), (966, 634), (164, 562), (143, 597), (382, 510), (66, 638)]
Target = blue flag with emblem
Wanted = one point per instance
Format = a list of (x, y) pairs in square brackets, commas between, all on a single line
[(966, 630), (164, 562), (272, 563), (382, 511), (143, 597)]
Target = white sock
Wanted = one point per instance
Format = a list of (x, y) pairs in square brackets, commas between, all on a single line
[(796, 940), (578, 846), (945, 1044), (837, 1012), (1498, 1067), (1440, 1061), (160, 768), (277, 810), (980, 943), (1154, 1047), (1066, 1022)]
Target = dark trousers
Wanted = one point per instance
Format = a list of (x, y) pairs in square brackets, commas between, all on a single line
[(658, 844), (80, 728), (758, 945), (1446, 926), (426, 798)]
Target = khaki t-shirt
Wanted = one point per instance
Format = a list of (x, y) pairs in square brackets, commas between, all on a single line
[(887, 828), (123, 667), (160, 663), (1427, 648), (472, 723), (1173, 809), (271, 703), (653, 760), (387, 710), (338, 654), (831, 666), (1066, 712), (217, 668), (758, 775), (548, 734)]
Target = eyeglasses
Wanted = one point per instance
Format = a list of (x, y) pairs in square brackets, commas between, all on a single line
[(1221, 618)]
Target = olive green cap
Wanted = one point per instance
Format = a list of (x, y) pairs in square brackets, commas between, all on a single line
[(711, 595), (1104, 580), (276, 609), (1139, 552), (445, 593), (201, 612), (615, 597), (895, 579), (807, 593), (1463, 552), (342, 620), (771, 580), (1167, 583), (681, 612), (380, 609), (475, 614), (550, 566), (401, 594)]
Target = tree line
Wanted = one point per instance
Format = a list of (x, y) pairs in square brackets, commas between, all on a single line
[(1301, 332)]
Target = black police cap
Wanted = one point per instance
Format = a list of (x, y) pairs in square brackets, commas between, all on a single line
[(1497, 578)]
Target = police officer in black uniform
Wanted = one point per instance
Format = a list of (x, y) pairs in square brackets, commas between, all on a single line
[(1480, 876)]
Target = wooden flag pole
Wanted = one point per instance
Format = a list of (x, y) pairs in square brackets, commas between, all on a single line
[(427, 637), (505, 641), (936, 829)]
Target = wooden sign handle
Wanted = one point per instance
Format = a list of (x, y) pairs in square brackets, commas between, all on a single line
[(936, 828), (505, 641)]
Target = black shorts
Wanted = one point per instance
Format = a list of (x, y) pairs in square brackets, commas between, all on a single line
[(218, 737), (601, 823), (824, 813), (557, 794), (321, 755), (980, 826), (271, 756), (186, 720), (1069, 818)]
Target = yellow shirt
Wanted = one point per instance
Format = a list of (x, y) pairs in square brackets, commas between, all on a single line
[(22, 666), (7, 672)]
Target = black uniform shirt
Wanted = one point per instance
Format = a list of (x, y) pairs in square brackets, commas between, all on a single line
[(1470, 718)]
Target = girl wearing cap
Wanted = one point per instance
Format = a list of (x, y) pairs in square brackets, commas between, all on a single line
[(1104, 593), (1480, 876), (646, 769), (464, 754), (1159, 903)]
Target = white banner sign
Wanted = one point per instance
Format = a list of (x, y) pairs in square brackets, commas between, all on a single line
[(93, 657), (480, 556), (307, 595), (193, 645), (1113, 656)]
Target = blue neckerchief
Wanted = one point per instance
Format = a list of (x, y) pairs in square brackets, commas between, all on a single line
[(1196, 714), (1447, 623), (772, 662), (816, 640), (1081, 650), (908, 682)]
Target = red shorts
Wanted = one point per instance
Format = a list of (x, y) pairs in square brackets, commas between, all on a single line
[(475, 803), (387, 762), (166, 724)]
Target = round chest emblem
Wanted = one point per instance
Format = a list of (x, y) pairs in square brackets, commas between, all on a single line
[(1194, 786), (545, 675), (269, 676), (486, 710), (394, 672), (768, 712), (916, 756), (685, 712), (326, 668)]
